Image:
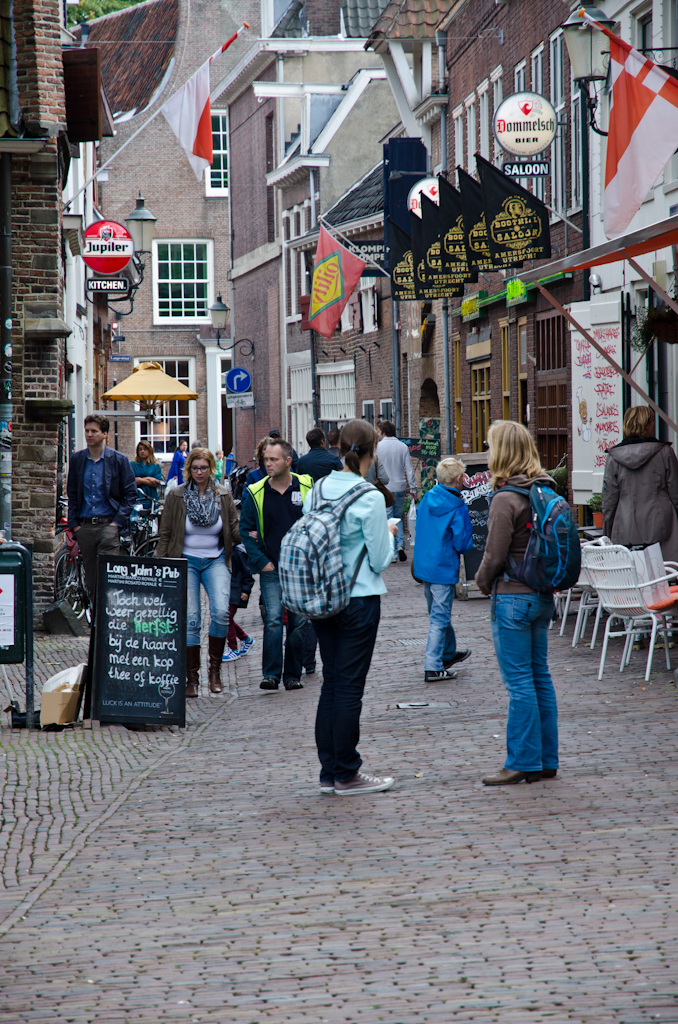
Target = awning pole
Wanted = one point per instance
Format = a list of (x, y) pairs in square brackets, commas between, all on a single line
[(652, 283), (622, 373)]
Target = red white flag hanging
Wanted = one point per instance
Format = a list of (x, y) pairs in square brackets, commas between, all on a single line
[(189, 115), (643, 130)]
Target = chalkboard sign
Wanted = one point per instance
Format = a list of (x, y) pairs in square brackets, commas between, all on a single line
[(140, 644), (476, 493)]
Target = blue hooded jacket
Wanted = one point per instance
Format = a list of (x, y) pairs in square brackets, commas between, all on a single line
[(444, 531)]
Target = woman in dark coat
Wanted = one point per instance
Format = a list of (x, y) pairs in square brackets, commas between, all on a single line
[(640, 487)]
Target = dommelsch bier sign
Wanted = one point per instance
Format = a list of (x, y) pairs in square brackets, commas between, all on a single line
[(525, 124)]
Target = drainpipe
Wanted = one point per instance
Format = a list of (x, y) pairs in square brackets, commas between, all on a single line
[(6, 343), (441, 40), (395, 354)]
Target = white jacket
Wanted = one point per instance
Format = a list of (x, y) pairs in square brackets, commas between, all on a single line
[(395, 457)]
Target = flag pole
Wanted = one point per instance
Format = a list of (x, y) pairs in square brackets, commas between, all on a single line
[(147, 122), (329, 229)]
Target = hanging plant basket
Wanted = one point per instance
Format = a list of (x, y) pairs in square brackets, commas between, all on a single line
[(665, 326), (661, 323)]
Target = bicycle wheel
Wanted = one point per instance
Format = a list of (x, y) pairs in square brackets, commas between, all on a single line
[(62, 569), (69, 585), (147, 549)]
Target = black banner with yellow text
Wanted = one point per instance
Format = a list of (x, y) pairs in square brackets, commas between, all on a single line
[(517, 222)]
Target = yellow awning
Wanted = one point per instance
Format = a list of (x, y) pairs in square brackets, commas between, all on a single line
[(149, 384)]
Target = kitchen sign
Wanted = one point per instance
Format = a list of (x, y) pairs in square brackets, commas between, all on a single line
[(525, 124), (108, 247)]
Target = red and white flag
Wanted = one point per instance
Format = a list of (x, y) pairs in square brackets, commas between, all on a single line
[(189, 115), (643, 130)]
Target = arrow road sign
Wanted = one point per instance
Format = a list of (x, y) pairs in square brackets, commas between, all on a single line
[(238, 380)]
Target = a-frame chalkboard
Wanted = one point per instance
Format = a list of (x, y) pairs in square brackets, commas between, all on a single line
[(140, 642)]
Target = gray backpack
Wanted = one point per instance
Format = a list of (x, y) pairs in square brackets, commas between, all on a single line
[(312, 577)]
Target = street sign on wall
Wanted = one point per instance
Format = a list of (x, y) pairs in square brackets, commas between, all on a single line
[(238, 380), (245, 401), (118, 286), (108, 247), (528, 169), (525, 124)]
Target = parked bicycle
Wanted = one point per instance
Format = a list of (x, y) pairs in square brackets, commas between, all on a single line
[(143, 537), (69, 572)]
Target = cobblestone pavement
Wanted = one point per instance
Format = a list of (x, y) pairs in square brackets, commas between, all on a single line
[(198, 875)]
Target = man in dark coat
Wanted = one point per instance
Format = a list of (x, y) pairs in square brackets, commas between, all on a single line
[(318, 462)]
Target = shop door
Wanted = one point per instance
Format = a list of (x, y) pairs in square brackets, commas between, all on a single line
[(551, 387)]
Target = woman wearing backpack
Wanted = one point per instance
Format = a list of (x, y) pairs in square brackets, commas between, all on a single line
[(520, 616), (347, 639)]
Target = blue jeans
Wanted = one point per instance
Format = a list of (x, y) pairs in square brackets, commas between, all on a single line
[(216, 579), (272, 654), (396, 511), (520, 635), (441, 645), (346, 645)]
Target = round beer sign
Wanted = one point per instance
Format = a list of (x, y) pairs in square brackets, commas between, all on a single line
[(525, 124), (429, 187), (108, 247)]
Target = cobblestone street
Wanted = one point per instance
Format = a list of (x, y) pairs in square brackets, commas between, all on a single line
[(199, 876)]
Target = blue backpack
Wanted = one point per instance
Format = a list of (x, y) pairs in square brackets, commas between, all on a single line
[(553, 557)]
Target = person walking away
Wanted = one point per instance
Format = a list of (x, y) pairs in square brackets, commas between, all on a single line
[(102, 492), (270, 507), (242, 582), (347, 639), (147, 472), (444, 531), (177, 468), (520, 616), (395, 457), (640, 487), (219, 459), (333, 441), (259, 472), (200, 523), (228, 465), (317, 462)]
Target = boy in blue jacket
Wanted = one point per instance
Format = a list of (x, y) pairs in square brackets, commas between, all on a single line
[(444, 532)]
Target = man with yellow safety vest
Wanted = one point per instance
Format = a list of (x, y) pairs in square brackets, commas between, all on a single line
[(270, 508)]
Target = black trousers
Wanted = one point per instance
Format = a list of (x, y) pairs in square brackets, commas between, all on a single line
[(95, 540)]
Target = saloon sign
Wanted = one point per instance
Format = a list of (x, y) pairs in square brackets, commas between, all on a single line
[(525, 124), (108, 247)]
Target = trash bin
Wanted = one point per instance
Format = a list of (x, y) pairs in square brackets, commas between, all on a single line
[(12, 604)]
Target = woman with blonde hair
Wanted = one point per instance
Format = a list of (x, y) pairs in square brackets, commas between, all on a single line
[(199, 523), (520, 616), (640, 487)]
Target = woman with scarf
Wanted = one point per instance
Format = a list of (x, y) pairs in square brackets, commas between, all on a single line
[(199, 523)]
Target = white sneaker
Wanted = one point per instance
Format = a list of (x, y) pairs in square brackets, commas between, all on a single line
[(362, 783), (231, 655), (246, 647)]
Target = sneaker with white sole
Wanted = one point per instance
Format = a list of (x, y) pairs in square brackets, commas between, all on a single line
[(326, 788), (231, 655), (247, 646), (362, 783)]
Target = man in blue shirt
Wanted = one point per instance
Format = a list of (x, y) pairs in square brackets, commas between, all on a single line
[(318, 462), (101, 491)]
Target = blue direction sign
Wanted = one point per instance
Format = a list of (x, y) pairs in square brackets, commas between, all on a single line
[(238, 380)]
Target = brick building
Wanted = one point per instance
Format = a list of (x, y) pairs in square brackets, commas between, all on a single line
[(148, 51)]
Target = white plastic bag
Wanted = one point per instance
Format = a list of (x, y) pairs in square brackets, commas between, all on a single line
[(170, 485), (412, 520)]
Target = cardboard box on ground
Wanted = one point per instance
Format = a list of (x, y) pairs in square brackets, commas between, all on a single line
[(61, 697)]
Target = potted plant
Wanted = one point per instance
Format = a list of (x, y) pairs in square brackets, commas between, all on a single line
[(659, 322), (596, 505)]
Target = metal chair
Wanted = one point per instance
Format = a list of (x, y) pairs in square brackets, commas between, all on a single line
[(611, 570)]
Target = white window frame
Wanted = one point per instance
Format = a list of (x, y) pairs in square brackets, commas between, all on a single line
[(520, 76), (219, 190), (192, 406), (164, 320), (337, 391), (484, 114), (471, 137), (301, 400), (558, 173), (576, 155), (497, 83), (382, 403), (374, 411), (368, 304), (537, 79), (458, 116)]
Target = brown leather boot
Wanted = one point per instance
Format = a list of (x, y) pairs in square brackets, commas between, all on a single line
[(216, 653), (192, 670)]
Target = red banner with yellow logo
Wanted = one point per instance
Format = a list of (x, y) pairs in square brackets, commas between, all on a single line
[(337, 272)]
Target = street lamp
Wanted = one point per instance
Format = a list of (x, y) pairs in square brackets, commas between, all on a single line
[(218, 316), (589, 50), (141, 226)]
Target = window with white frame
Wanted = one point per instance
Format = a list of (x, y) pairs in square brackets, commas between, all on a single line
[(386, 409), (183, 272), (294, 225), (337, 391), (519, 77), (558, 175), (458, 116), (368, 412), (497, 97), (537, 69), (484, 115), (471, 135), (576, 171), (177, 419), (216, 176), (301, 405), (368, 304)]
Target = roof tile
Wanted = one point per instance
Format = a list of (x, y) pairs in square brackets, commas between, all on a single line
[(364, 199), (409, 19)]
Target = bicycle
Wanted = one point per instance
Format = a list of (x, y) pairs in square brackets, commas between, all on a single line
[(69, 572), (144, 534)]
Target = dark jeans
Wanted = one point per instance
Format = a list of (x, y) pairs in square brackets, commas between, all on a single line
[(272, 655), (310, 644), (94, 540), (346, 645)]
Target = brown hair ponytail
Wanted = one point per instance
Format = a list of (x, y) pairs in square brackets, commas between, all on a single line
[(357, 438)]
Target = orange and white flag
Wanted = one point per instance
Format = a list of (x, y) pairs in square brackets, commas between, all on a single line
[(189, 115), (643, 130)]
